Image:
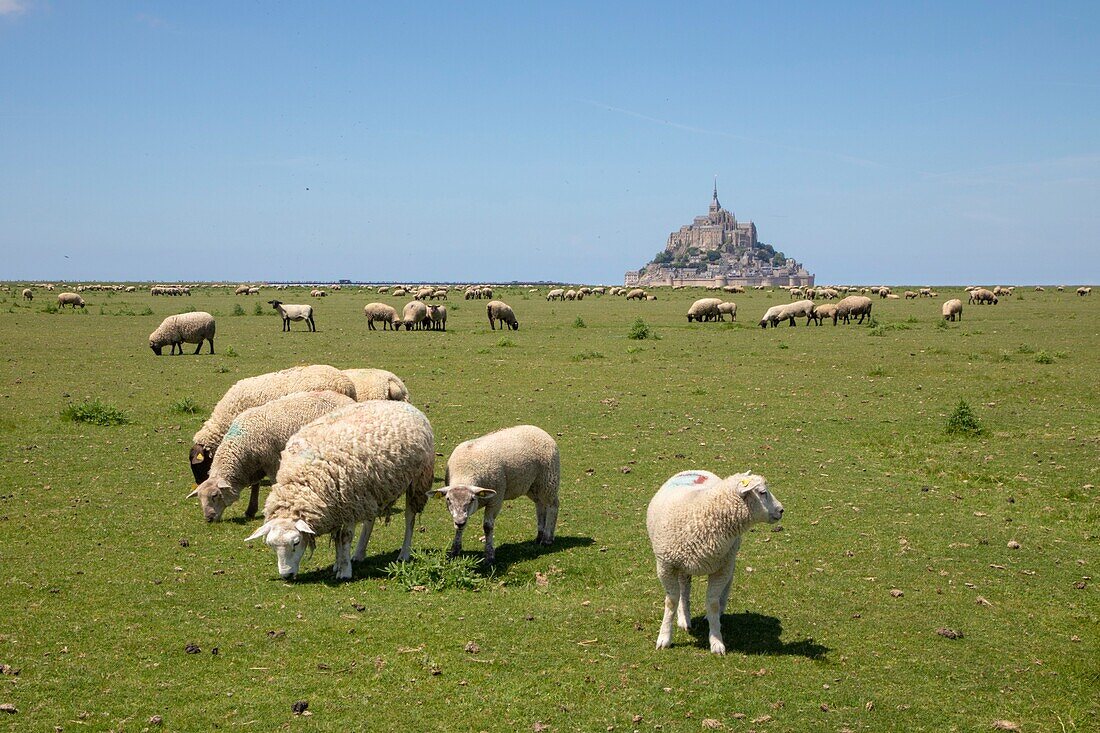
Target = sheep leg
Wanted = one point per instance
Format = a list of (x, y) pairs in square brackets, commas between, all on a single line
[(342, 538), (406, 546), (548, 520), (672, 598), (717, 585), (364, 538), (211, 345), (491, 513), (253, 502), (683, 615), (456, 544)]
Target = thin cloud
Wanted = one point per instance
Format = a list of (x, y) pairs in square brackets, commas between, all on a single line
[(1014, 172), (13, 7), (150, 20), (855, 160)]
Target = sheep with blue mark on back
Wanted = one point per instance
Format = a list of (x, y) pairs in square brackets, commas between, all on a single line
[(695, 523)]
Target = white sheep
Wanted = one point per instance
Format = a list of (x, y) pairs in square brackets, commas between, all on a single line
[(851, 306), (414, 315), (952, 309), (788, 313), (346, 467), (185, 328), (556, 294), (377, 384), (294, 313), (490, 470), (437, 317), (255, 391), (729, 308), (704, 309), (1084, 290), (498, 310), (64, 299), (250, 450), (979, 296), (695, 523), (636, 294), (28, 294), (387, 314)]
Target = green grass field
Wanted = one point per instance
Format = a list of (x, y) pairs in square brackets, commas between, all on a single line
[(107, 572)]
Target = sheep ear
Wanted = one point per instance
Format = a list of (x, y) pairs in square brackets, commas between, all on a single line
[(301, 526), (484, 493), (194, 492), (223, 484), (261, 532), (441, 491)]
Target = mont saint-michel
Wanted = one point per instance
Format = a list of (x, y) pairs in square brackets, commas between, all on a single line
[(716, 249)]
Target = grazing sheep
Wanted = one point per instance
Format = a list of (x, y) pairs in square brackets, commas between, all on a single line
[(486, 292), (769, 314), (798, 293), (346, 467), (727, 308), (414, 315), (1084, 291), (498, 310), (704, 309), (584, 291), (255, 391), (490, 470), (64, 299), (822, 312), (387, 314), (294, 313), (185, 328), (883, 292), (636, 294), (253, 290), (981, 296), (28, 294), (926, 292), (570, 294), (437, 317), (1040, 289), (788, 312), (1061, 288), (556, 294), (241, 290), (853, 305), (892, 296), (695, 523), (953, 309), (250, 450), (910, 295), (315, 293), (377, 384)]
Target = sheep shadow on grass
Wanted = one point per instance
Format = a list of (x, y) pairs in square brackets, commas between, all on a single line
[(753, 634), (510, 553)]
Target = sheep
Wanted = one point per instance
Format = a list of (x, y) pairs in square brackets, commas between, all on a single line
[(651, 297), (424, 293), (925, 292), (636, 294), (28, 294), (883, 292), (414, 314), (1082, 291), (584, 291), (250, 450), (64, 299), (241, 290), (294, 313), (952, 309), (472, 293), (486, 292), (1062, 289), (822, 312), (695, 523), (253, 290), (399, 292), (490, 470), (787, 313), (1040, 289), (727, 307), (910, 295), (704, 309), (440, 294), (797, 293), (377, 384), (979, 296), (853, 305), (255, 391), (498, 310), (570, 294), (437, 317), (185, 328), (346, 467), (315, 293), (387, 314), (769, 314)]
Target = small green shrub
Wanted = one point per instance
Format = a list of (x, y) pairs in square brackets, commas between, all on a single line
[(1044, 358), (95, 412), (942, 324), (231, 353), (146, 311), (912, 319), (877, 372), (1025, 349), (783, 345), (186, 406), (640, 331), (258, 310), (432, 570), (222, 369), (963, 421), (505, 343), (49, 308), (586, 355), (579, 323), (238, 310)]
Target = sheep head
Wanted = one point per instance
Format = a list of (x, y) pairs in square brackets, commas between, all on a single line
[(289, 538), (215, 494), (201, 458), (463, 500), (753, 490)]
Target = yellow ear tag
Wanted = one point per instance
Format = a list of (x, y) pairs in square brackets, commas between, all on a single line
[(199, 455), (744, 482)]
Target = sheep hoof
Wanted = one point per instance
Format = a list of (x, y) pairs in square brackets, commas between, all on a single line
[(663, 642), (717, 647)]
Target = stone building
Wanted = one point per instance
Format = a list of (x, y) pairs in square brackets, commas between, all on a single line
[(717, 250)]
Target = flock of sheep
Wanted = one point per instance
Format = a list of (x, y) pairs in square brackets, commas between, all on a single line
[(341, 447)]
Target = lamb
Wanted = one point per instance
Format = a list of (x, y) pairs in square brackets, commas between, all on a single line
[(952, 309), (377, 384), (64, 299), (255, 391), (185, 328), (490, 470), (28, 294), (695, 523), (556, 294), (1084, 291), (414, 314), (250, 449), (853, 305), (498, 310), (704, 309), (822, 312), (346, 467), (636, 294), (387, 314), (294, 313), (727, 308), (979, 296), (437, 316)]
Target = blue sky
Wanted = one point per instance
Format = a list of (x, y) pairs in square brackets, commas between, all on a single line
[(876, 142)]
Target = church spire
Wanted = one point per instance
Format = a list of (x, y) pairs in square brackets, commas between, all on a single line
[(714, 205)]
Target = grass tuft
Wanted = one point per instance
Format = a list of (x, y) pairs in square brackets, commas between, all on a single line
[(432, 570), (505, 343), (95, 412), (238, 310), (579, 323), (586, 355), (1044, 358), (963, 421), (231, 353), (640, 331), (258, 310), (185, 405)]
